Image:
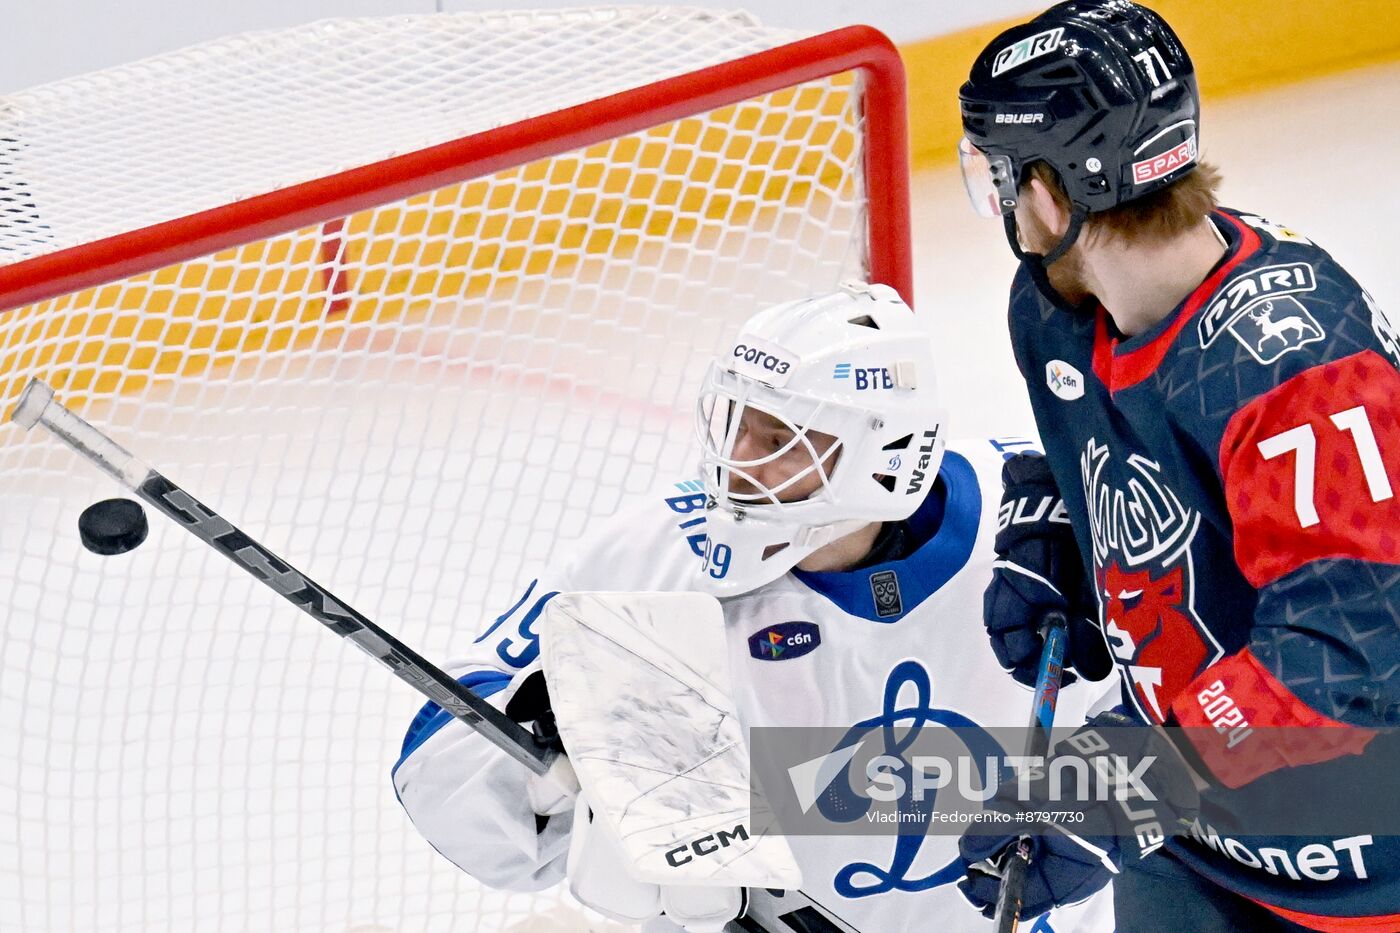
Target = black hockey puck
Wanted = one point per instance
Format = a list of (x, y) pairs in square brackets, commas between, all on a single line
[(113, 526)]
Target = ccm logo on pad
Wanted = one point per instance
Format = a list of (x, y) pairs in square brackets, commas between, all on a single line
[(706, 845)]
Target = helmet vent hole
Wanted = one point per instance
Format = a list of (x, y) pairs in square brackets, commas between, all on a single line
[(772, 549), (864, 320), (886, 480), (901, 444)]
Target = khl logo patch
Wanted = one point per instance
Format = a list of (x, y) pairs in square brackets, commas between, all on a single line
[(785, 641), (884, 586)]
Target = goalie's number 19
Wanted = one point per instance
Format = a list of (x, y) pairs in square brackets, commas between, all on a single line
[(1302, 441)]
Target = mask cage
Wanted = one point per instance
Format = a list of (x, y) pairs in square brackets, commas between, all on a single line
[(720, 412)]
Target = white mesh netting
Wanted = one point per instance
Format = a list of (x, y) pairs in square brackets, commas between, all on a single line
[(416, 404)]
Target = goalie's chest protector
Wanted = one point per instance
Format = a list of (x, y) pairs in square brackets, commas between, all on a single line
[(899, 643), (837, 649), (885, 643)]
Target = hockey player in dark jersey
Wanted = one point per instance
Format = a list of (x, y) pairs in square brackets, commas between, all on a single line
[(1219, 403)]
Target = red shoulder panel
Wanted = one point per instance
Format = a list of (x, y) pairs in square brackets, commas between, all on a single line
[(1310, 469)]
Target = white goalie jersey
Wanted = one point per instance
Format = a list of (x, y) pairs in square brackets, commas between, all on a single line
[(810, 649)]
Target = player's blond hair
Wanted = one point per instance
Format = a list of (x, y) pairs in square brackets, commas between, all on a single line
[(1158, 216)]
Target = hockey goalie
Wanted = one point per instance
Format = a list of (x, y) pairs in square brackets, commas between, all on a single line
[(827, 569)]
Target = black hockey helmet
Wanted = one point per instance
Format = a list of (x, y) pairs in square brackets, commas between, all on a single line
[(1101, 90)]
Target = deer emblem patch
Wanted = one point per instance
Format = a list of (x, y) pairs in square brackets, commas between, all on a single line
[(1270, 327)]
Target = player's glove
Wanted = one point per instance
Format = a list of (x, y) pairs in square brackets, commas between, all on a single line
[(527, 702), (1038, 569), (530, 704), (1078, 840)]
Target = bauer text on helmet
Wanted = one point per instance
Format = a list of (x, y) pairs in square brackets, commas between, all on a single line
[(819, 419)]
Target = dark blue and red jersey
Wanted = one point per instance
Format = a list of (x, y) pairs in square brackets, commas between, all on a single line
[(1231, 478)]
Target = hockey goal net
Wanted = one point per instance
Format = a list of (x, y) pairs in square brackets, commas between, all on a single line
[(411, 300)]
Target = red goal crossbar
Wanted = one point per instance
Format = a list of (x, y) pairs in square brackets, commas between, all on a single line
[(324, 200)]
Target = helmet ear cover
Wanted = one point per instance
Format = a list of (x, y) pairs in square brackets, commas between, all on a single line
[(844, 385)]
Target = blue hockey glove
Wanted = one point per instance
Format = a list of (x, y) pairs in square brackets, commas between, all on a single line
[(1039, 569), (1113, 790), (1064, 869)]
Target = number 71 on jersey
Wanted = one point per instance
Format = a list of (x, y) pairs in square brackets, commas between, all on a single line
[(1302, 441)]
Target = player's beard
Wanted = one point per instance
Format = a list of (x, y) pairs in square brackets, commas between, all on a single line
[(1066, 274)]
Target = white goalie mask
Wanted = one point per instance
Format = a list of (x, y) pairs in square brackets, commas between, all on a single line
[(820, 418)]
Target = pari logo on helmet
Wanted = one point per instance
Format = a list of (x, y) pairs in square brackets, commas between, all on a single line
[(1022, 51), (794, 460)]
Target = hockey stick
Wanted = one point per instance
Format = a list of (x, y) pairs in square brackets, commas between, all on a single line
[(37, 405), (1047, 691), (787, 910)]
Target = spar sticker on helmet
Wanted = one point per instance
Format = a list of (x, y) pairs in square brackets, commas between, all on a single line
[(1160, 166), (761, 360), (1031, 47)]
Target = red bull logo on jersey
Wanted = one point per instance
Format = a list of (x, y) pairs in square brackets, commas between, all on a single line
[(1151, 633), (1142, 534)]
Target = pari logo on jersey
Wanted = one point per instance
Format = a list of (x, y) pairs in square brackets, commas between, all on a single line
[(1064, 380), (785, 641), (1032, 47), (761, 360), (1259, 310), (1142, 535)]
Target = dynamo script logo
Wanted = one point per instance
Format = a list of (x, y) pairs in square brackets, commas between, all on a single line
[(831, 783)]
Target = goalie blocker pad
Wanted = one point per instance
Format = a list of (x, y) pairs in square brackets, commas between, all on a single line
[(640, 687)]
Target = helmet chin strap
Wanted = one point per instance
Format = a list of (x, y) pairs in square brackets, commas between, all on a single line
[(1037, 264)]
